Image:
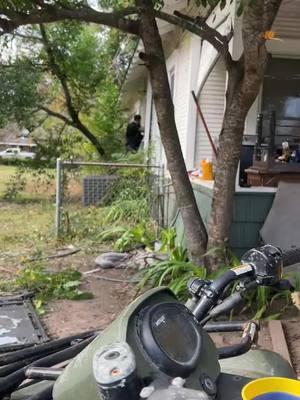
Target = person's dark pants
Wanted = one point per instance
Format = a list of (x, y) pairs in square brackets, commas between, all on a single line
[(132, 148)]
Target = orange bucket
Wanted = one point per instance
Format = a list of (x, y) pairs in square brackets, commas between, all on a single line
[(207, 170)]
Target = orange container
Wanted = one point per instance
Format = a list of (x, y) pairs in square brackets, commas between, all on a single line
[(207, 170)]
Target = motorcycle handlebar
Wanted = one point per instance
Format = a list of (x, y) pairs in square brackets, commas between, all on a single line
[(263, 266), (291, 257), (235, 350)]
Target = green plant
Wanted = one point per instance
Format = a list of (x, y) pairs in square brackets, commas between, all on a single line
[(15, 185), (168, 239), (260, 300), (172, 273), (48, 285), (176, 271), (127, 238), (129, 197), (132, 210), (34, 176)]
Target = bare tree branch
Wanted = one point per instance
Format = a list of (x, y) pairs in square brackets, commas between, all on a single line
[(27, 37), (199, 27), (48, 13)]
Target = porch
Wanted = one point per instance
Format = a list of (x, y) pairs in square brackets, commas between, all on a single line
[(250, 211)]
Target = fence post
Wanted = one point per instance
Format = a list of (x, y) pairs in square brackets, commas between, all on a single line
[(58, 196)]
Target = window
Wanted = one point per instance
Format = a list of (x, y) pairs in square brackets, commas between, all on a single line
[(281, 93), (281, 90)]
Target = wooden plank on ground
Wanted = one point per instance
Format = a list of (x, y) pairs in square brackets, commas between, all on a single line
[(278, 340)]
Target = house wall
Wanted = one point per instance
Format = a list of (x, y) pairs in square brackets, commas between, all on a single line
[(179, 63)]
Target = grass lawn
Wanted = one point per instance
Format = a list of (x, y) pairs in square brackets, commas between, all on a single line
[(24, 225), (26, 222), (6, 172)]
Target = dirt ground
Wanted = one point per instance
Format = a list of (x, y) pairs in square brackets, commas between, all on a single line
[(66, 317), (25, 231), (114, 292)]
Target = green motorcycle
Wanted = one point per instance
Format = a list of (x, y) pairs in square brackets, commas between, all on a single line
[(159, 348)]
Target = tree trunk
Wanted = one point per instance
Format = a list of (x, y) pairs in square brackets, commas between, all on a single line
[(154, 58), (244, 82), (90, 136), (224, 186)]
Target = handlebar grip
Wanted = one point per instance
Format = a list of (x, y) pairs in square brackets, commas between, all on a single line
[(291, 257)]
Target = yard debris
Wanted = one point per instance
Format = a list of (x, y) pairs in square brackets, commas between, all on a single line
[(112, 260), (116, 280), (63, 252), (137, 259)]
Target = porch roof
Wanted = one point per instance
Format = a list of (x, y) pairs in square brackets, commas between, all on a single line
[(136, 77)]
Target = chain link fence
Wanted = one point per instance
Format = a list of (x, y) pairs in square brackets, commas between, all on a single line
[(92, 196)]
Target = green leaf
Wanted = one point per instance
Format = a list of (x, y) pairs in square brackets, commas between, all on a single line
[(79, 295), (259, 314), (71, 284), (273, 317)]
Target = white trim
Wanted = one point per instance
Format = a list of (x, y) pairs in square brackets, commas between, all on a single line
[(238, 189)]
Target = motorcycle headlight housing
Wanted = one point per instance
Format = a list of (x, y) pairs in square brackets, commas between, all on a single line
[(171, 337)]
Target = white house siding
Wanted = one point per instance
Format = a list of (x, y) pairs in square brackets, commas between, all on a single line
[(182, 93), (155, 142), (179, 62), (212, 102), (287, 21)]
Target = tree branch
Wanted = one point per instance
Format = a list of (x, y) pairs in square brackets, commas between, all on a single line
[(58, 73), (27, 37), (47, 13), (270, 12), (74, 114), (199, 27), (57, 115)]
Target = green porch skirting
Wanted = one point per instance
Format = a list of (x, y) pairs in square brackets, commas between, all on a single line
[(249, 213)]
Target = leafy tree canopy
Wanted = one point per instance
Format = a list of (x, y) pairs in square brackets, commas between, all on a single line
[(74, 56)]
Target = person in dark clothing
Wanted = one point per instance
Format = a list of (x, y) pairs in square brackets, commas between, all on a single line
[(134, 135)]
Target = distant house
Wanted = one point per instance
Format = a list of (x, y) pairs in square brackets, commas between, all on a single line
[(195, 65), (11, 136)]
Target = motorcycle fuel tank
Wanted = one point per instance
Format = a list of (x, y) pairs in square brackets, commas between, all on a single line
[(78, 380)]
